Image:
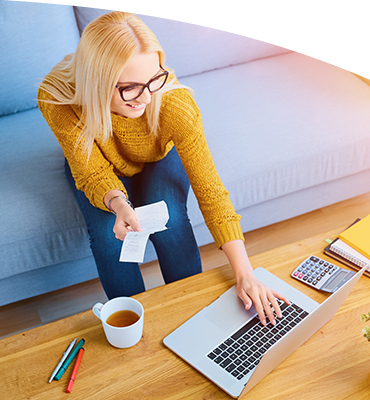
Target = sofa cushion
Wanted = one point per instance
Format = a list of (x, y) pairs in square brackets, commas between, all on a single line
[(286, 123), (28, 54), (41, 224), (192, 49)]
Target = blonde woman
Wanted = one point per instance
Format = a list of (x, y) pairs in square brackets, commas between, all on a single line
[(131, 134)]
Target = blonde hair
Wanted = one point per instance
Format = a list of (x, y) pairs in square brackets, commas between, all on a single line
[(87, 77)]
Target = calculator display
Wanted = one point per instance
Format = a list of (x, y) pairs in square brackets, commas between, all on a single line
[(336, 280)]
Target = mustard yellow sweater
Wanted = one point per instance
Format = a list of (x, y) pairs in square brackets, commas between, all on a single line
[(132, 145)]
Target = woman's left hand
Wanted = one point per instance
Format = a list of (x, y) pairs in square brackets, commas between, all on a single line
[(249, 288), (252, 291)]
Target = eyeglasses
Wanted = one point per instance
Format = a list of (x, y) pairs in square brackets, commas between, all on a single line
[(133, 91)]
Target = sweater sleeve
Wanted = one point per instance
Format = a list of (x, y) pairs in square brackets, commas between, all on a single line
[(181, 116), (94, 178)]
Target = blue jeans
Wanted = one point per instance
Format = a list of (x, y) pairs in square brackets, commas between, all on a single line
[(176, 248)]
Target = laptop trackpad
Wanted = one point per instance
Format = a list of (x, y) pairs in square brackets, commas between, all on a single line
[(228, 311)]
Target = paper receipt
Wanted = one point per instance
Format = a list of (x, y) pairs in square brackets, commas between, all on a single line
[(152, 218)]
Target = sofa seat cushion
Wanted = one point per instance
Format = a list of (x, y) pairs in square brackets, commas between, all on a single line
[(282, 124), (41, 224)]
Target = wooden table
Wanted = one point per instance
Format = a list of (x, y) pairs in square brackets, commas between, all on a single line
[(334, 364)]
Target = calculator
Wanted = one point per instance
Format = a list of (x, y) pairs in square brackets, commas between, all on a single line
[(321, 274)]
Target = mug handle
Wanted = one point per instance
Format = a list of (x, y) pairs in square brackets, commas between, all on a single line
[(97, 309)]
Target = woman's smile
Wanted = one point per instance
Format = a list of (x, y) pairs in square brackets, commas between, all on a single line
[(137, 107)]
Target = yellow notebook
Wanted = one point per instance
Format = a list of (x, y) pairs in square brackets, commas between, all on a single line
[(358, 236)]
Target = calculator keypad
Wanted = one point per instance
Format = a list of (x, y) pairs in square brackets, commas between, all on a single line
[(314, 271)]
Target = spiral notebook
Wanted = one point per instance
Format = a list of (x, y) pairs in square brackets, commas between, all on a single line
[(345, 254)]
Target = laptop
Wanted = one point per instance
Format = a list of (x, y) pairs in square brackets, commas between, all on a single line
[(234, 350)]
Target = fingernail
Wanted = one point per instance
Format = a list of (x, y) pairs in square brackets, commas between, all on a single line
[(273, 322), (263, 322)]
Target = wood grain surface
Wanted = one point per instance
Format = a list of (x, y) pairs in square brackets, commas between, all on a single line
[(333, 364)]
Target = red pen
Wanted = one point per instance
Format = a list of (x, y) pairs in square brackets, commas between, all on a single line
[(75, 369)]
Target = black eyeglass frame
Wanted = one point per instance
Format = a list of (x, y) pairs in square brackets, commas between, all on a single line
[(144, 86)]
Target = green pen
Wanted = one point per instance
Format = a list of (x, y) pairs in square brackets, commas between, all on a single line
[(64, 367)]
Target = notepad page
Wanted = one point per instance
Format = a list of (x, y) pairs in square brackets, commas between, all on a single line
[(346, 251)]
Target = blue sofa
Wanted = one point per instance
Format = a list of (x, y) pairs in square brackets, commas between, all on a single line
[(288, 133)]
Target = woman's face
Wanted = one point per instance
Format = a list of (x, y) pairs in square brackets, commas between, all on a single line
[(140, 69)]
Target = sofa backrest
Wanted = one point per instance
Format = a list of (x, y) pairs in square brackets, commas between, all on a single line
[(192, 49), (33, 38)]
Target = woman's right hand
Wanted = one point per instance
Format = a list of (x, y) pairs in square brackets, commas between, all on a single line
[(126, 219)]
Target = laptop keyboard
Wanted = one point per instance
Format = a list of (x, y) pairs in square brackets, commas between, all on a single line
[(243, 350)]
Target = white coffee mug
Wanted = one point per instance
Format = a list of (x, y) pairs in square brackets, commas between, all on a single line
[(126, 336)]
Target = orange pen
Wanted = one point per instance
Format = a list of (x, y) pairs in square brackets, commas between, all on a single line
[(75, 369)]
